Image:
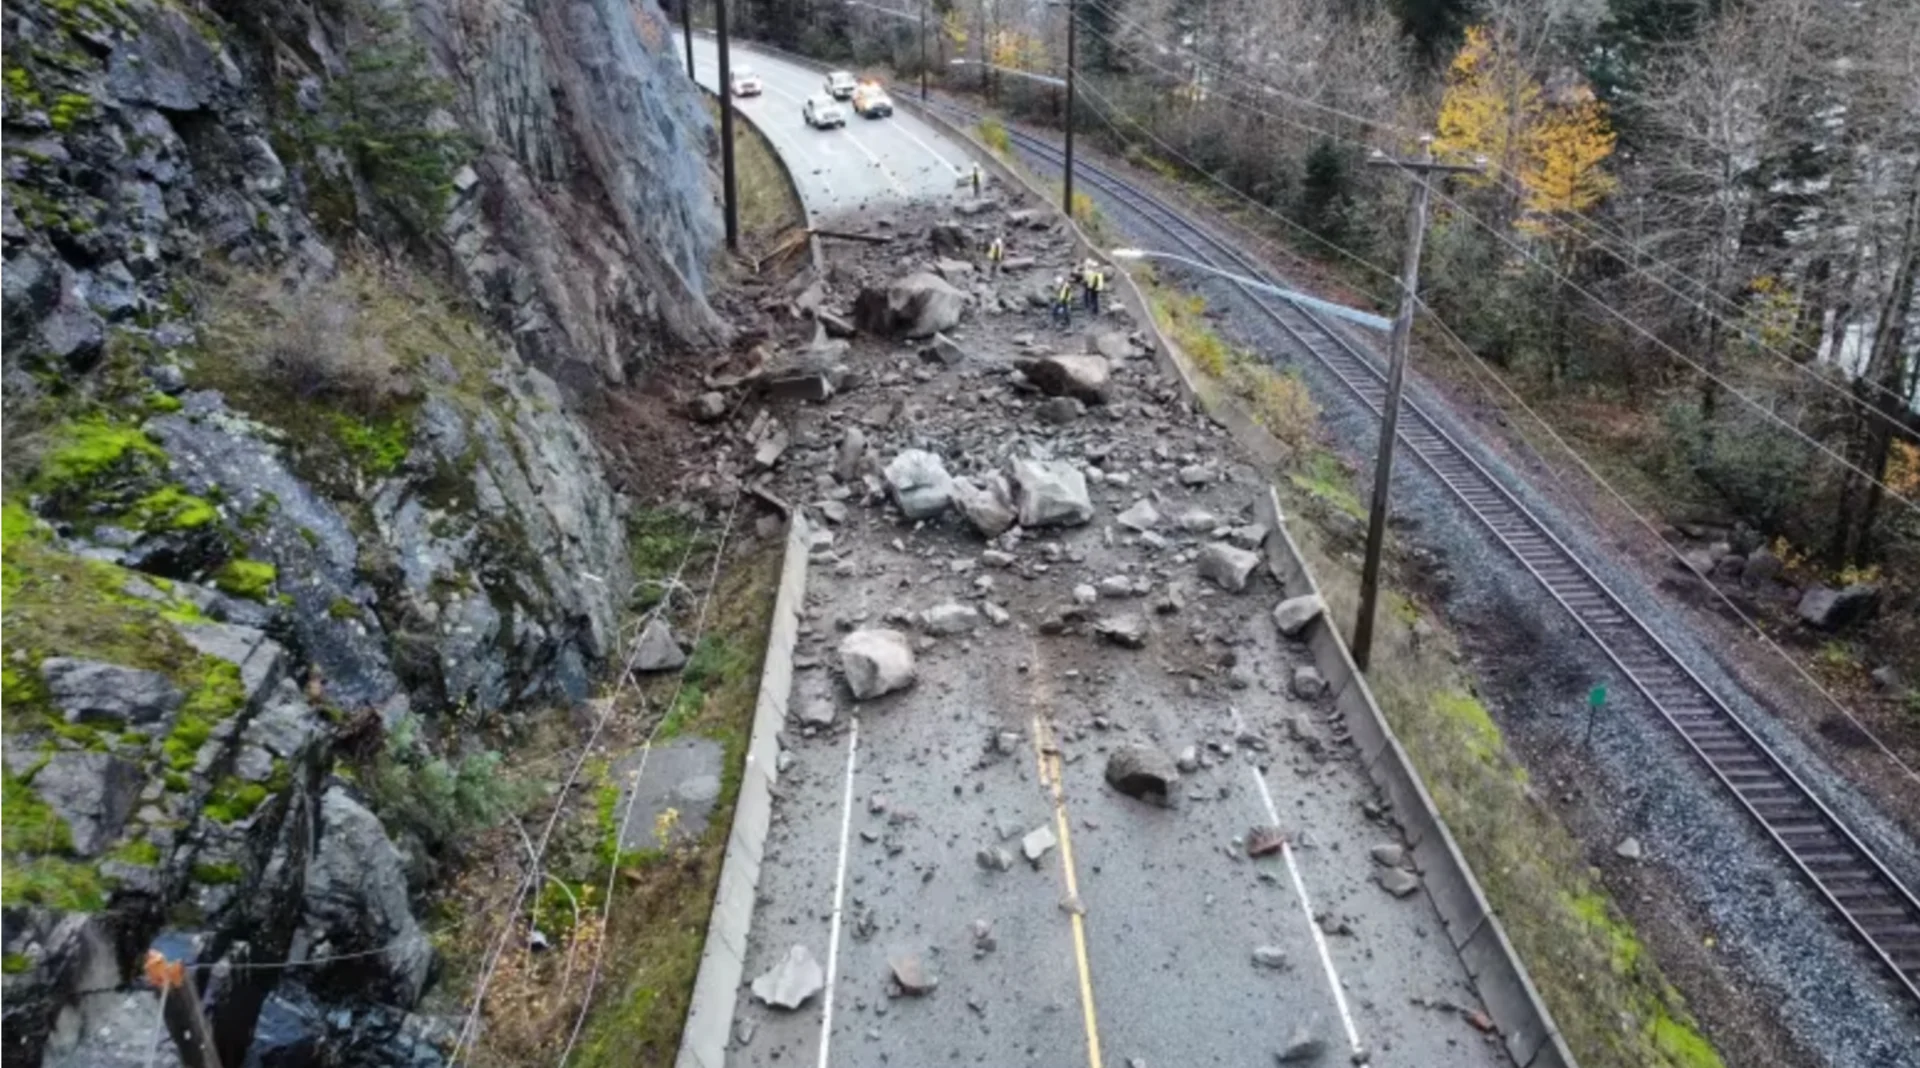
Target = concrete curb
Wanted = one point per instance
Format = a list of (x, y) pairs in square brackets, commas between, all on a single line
[(716, 989)]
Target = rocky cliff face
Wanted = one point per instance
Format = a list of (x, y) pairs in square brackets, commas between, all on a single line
[(299, 297)]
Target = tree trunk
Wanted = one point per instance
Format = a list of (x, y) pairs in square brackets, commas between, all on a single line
[(1886, 369)]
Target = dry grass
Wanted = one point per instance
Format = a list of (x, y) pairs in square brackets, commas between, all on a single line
[(662, 897), (1278, 400), (768, 205)]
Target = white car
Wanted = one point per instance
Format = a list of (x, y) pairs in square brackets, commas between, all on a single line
[(840, 85), (746, 83), (823, 111)]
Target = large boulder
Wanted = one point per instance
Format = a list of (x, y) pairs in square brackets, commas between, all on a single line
[(658, 650), (987, 504), (917, 306), (90, 691), (1829, 609), (93, 792), (876, 662), (356, 904), (1051, 493), (1081, 377), (919, 483)]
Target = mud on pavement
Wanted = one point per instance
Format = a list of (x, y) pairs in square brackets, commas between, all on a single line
[(1078, 721)]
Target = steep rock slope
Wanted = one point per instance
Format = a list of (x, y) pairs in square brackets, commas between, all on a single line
[(299, 298)]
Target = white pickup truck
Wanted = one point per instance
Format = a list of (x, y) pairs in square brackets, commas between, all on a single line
[(840, 85)]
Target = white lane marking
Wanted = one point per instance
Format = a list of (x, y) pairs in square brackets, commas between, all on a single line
[(839, 897), (931, 151), (1306, 906)]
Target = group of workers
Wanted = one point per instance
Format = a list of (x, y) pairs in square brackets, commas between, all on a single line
[(1088, 277)]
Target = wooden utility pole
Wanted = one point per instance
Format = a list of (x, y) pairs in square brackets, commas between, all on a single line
[(729, 192), (1419, 170), (1066, 197), (686, 27), (923, 51)]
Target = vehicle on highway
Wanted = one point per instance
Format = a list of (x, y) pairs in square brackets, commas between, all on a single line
[(746, 83), (840, 85), (870, 101), (822, 111)]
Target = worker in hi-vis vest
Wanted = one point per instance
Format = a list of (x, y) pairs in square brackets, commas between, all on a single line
[(996, 254), (1063, 302), (1095, 280)]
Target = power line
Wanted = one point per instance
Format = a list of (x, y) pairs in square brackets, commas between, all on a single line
[(1765, 412), (1461, 345), (633, 795), (1512, 182), (468, 1033)]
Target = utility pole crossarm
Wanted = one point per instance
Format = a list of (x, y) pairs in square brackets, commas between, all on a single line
[(1396, 380)]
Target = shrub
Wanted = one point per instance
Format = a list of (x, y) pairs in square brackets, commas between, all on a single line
[(441, 800), (995, 136)]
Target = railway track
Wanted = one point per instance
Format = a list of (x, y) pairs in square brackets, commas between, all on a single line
[(1871, 901)]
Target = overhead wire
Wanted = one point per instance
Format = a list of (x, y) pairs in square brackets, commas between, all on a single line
[(1474, 359), (633, 792), (467, 1036), (1560, 276), (1511, 181)]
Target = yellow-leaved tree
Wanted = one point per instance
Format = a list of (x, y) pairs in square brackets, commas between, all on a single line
[(954, 25), (1547, 150)]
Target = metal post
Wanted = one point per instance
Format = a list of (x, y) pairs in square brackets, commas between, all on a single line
[(1396, 376), (923, 51), (1067, 184), (686, 26), (729, 192)]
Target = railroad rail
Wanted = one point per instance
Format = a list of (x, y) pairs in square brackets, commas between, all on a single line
[(1873, 903)]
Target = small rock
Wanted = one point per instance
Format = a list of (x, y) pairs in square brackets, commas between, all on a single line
[(947, 350), (1197, 475), (1397, 881), (658, 649), (1051, 493), (1304, 1047), (1060, 411), (1081, 377), (1199, 521), (818, 712), (994, 858), (1189, 760), (948, 619), (1227, 566), (709, 407), (1142, 771), (853, 449), (986, 503), (1270, 957), (1390, 855), (910, 972), (792, 982), (984, 941), (1036, 844), (1085, 594), (1140, 517), (1265, 841), (1306, 683), (876, 662), (1629, 849), (1128, 632), (1293, 614)]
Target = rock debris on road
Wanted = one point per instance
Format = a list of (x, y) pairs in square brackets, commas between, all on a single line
[(1044, 616)]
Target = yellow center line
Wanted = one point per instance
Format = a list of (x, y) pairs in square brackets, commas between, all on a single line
[(1050, 773)]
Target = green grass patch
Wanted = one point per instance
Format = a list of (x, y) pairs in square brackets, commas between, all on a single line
[(658, 543), (30, 826), (89, 449), (234, 799), (171, 508), (993, 134), (15, 963), (56, 883), (1321, 475), (768, 205)]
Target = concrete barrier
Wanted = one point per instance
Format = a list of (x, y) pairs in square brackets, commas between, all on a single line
[(716, 987)]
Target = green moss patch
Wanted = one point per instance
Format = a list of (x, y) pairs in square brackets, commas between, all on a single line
[(91, 449), (252, 579), (138, 852), (223, 873), (377, 445), (234, 799), (30, 826), (171, 508), (55, 882), (15, 963)]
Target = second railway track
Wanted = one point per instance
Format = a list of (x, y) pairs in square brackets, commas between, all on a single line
[(1873, 903)]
